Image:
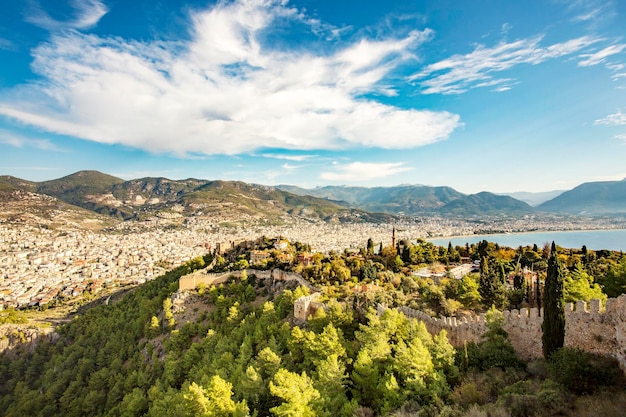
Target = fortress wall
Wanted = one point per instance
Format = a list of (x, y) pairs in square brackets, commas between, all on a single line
[(302, 306), (587, 326), (191, 281)]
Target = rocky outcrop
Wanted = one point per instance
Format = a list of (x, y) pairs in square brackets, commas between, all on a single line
[(24, 336)]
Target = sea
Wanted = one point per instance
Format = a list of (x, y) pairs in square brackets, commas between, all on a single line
[(592, 239)]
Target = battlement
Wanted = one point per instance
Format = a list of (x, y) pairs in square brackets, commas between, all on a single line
[(588, 326), (191, 281)]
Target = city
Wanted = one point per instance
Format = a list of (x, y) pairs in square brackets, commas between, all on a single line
[(39, 265)]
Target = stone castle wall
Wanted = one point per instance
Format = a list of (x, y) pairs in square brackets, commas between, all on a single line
[(191, 281), (302, 306), (588, 326)]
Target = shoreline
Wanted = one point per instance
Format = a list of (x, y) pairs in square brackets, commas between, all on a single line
[(522, 233), (498, 237)]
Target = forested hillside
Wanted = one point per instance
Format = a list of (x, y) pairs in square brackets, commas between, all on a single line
[(236, 349)]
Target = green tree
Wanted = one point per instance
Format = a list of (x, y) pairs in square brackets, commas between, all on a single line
[(469, 295), (214, 401), (155, 327), (614, 281), (297, 393), (492, 288), (553, 306), (168, 315), (330, 380), (579, 285)]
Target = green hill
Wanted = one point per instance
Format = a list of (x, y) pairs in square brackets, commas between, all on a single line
[(76, 187), (138, 198), (486, 203), (592, 198), (9, 183)]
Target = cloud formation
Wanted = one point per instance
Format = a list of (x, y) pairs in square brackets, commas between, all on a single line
[(86, 14), (601, 56), (225, 91), (19, 141), (460, 73), (616, 119), (364, 171)]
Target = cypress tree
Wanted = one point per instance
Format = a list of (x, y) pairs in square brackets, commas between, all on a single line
[(484, 283), (553, 325)]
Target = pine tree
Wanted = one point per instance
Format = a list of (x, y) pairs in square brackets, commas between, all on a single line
[(492, 286), (554, 307)]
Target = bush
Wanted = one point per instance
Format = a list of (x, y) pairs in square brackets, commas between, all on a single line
[(583, 372)]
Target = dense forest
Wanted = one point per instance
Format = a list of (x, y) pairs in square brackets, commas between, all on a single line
[(237, 350)]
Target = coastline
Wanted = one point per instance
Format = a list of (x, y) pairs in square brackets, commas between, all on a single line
[(594, 239), (523, 233)]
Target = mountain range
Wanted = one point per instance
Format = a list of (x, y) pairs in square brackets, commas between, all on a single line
[(147, 197), (110, 196)]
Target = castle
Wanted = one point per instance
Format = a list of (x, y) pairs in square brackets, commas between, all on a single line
[(588, 326)]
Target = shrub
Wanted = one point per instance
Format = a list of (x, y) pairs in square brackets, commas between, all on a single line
[(583, 372)]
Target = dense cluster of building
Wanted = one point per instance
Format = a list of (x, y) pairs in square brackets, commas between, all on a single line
[(37, 265)]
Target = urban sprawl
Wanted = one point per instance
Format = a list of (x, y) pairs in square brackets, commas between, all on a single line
[(39, 265)]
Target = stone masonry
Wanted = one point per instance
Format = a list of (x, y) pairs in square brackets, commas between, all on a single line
[(191, 281), (588, 326)]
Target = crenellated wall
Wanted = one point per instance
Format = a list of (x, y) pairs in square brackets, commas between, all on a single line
[(588, 326), (191, 281)]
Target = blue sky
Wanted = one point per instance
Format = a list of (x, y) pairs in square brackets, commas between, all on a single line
[(496, 96)]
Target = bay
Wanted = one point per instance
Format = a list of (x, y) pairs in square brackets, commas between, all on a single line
[(593, 239)]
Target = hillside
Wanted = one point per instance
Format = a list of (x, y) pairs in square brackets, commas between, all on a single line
[(591, 198), (21, 207), (486, 203), (10, 183), (148, 197), (404, 199), (79, 188), (243, 349)]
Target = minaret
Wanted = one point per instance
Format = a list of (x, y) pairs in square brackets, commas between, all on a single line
[(393, 238)]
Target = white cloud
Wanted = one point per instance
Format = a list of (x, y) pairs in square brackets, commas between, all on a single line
[(621, 137), (460, 73), (591, 12), (289, 167), (224, 92), (616, 119), (296, 158), (600, 56), (18, 141), (86, 14), (364, 171), (7, 45)]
